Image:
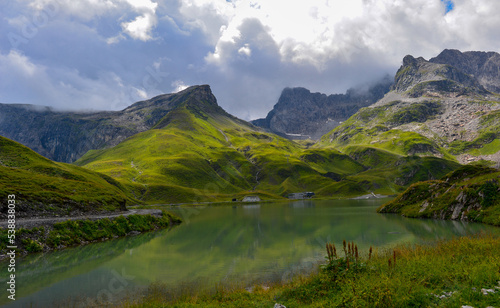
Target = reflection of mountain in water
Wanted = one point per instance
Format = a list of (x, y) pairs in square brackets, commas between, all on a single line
[(302, 204), (435, 229), (246, 244), (39, 271), (251, 209)]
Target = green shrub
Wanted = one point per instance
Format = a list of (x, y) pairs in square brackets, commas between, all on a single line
[(32, 246), (490, 193)]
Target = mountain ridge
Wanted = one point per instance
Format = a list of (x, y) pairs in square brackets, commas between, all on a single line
[(484, 66), (185, 147), (66, 136), (201, 153), (418, 77), (300, 114), (432, 109)]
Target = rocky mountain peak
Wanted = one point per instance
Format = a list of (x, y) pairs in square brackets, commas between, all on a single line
[(202, 94), (294, 92), (198, 101), (300, 114), (483, 66), (440, 105), (66, 136), (418, 77), (448, 54), (409, 60)]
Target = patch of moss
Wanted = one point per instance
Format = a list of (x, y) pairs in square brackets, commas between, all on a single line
[(417, 112), (440, 86)]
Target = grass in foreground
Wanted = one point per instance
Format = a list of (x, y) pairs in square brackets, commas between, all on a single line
[(444, 274)]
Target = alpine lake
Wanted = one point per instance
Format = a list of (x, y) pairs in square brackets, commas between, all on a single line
[(240, 244)]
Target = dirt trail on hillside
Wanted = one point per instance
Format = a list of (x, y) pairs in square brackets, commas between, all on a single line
[(29, 223)]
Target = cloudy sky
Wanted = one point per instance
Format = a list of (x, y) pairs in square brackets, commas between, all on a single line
[(107, 54)]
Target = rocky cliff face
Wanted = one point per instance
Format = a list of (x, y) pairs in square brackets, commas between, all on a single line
[(66, 136), (300, 114), (483, 66), (418, 77)]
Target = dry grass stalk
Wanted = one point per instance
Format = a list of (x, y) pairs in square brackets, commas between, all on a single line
[(332, 251)]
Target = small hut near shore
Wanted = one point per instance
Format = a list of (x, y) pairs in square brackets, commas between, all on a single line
[(251, 199), (301, 195)]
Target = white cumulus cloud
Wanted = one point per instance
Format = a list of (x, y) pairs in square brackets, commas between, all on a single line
[(140, 28), (109, 52), (31, 83)]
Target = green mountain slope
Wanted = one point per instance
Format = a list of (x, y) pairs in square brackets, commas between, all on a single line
[(66, 136), (198, 152), (43, 187), (469, 193), (433, 110)]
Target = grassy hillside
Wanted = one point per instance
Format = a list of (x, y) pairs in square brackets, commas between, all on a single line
[(487, 139), (380, 127), (203, 158), (423, 129), (392, 173), (469, 193), (47, 187), (198, 152)]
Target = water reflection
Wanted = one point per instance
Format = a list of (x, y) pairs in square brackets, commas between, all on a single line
[(75, 272), (248, 243), (302, 204)]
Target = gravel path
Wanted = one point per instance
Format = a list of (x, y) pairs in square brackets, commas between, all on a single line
[(44, 221)]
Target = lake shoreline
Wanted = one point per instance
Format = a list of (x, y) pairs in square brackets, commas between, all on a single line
[(243, 246), (57, 233), (417, 276), (34, 232), (198, 204)]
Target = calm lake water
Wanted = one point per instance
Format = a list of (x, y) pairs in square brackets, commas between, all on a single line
[(247, 244)]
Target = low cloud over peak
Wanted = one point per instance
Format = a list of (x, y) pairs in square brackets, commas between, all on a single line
[(108, 54)]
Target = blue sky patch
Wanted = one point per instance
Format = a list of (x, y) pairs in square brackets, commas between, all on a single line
[(449, 5)]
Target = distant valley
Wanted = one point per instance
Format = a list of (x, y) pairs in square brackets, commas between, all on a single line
[(198, 152)]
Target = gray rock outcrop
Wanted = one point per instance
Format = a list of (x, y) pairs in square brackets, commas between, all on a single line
[(300, 114)]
